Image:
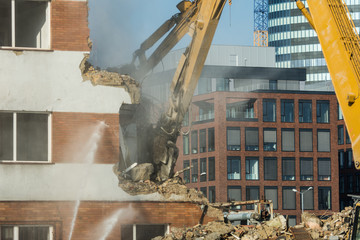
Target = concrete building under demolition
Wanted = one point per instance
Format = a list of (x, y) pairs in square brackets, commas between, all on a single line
[(59, 136), (254, 131)]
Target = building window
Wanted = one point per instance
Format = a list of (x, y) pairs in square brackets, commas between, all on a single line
[(348, 141), (202, 136), (186, 164), (233, 138), (25, 24), (233, 168), (323, 140), (234, 193), (24, 232), (186, 144), (212, 194), (251, 139), (322, 111), (211, 139), (308, 196), (222, 84), (211, 164), (24, 137), (203, 111), (270, 139), (185, 122), (292, 220), (324, 169), (341, 184), (203, 171), (288, 169), (287, 140), (269, 110), (306, 169), (340, 114), (204, 191), (306, 140), (289, 198), (349, 158), (305, 111), (194, 142), (270, 168), (204, 85), (194, 170), (287, 110), (271, 193), (324, 198), (340, 134), (252, 193), (252, 168), (341, 159), (241, 109), (138, 232)]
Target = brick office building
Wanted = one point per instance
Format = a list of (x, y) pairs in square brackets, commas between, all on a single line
[(53, 126), (253, 131)]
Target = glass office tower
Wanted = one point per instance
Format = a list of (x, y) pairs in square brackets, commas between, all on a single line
[(296, 42)]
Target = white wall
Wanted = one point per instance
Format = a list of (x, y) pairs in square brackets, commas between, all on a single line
[(51, 81), (62, 182)]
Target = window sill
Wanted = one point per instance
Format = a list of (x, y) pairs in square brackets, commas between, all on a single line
[(26, 49), (27, 162)]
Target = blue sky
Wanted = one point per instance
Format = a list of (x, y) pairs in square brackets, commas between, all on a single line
[(117, 27)]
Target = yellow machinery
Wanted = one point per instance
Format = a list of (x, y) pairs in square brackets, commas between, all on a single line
[(340, 41), (340, 44), (198, 18)]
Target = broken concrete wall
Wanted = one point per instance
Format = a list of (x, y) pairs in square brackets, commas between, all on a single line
[(51, 81)]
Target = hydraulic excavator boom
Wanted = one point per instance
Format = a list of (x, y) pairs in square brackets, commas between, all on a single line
[(199, 18), (340, 41)]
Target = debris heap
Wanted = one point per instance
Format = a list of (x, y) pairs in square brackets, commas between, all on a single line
[(337, 226)]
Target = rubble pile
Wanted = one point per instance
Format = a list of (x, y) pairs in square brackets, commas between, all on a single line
[(336, 226), (113, 79)]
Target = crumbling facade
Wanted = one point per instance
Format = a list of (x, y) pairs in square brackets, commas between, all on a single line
[(59, 134)]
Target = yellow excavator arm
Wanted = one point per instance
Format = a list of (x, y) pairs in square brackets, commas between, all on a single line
[(340, 41), (199, 18)]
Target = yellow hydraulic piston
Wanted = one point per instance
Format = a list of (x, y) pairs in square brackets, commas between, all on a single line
[(340, 44)]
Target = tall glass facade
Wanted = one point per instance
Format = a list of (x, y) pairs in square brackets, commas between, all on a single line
[(296, 42)]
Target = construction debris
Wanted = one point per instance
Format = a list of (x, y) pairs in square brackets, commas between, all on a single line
[(113, 79), (337, 226)]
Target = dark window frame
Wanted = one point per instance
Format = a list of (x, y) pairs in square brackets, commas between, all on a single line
[(229, 167), (277, 193), (305, 177), (266, 168), (284, 198), (288, 177), (320, 202), (266, 112), (322, 177), (301, 110), (247, 160), (252, 147), (284, 113), (287, 130), (319, 107), (212, 169), (270, 149), (232, 147), (312, 139)]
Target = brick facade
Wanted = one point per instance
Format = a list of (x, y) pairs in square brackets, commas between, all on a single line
[(69, 26), (220, 123), (91, 219), (71, 132)]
